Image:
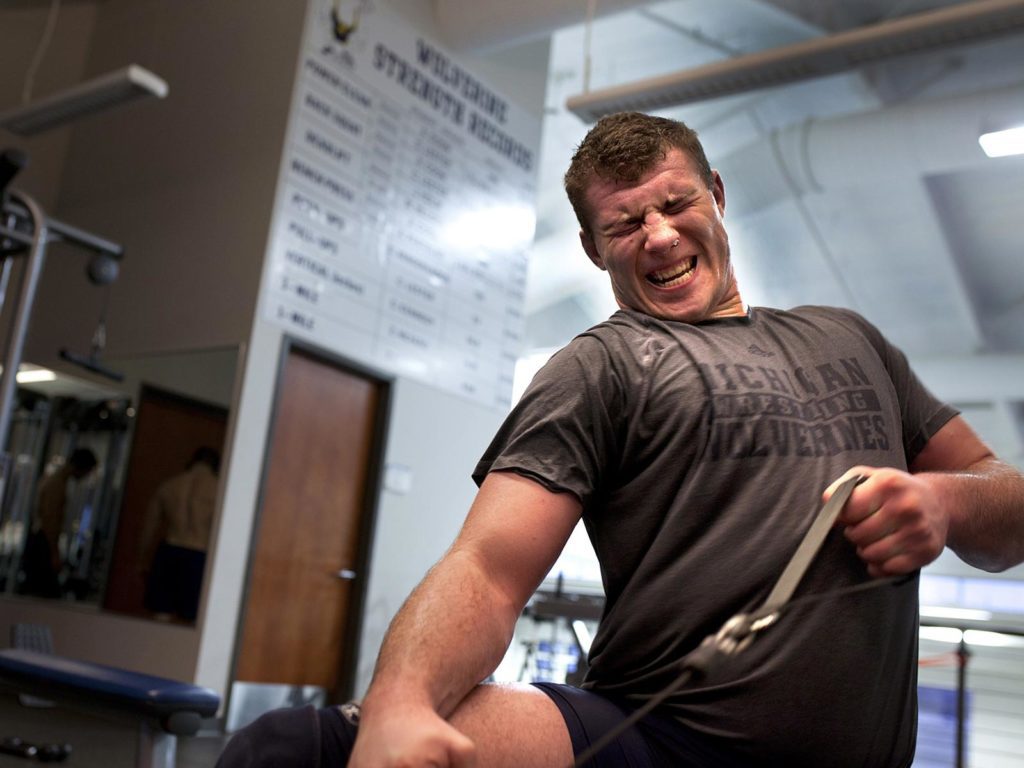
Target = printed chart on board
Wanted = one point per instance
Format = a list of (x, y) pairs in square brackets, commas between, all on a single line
[(404, 209)]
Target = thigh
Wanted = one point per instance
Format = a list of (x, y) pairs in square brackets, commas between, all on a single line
[(589, 717), (514, 726), (511, 726)]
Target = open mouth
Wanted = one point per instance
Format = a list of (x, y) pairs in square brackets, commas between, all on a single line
[(674, 275)]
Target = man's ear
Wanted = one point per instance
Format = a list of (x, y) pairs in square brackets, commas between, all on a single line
[(591, 249), (718, 191)]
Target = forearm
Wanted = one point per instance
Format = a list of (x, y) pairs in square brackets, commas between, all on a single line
[(449, 635), (985, 506)]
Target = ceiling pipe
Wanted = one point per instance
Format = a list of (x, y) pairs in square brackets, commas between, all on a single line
[(920, 33), (899, 141), (470, 26)]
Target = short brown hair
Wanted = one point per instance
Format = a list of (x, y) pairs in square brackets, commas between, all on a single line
[(623, 147)]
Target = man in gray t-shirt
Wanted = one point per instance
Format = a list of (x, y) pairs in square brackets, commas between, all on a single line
[(697, 478), (695, 437)]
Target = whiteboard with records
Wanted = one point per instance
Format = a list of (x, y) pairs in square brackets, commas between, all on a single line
[(404, 207)]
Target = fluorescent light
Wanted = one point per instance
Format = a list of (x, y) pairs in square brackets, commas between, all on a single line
[(103, 92), (971, 636), (969, 614), (991, 639), (1003, 143), (35, 375), (941, 634)]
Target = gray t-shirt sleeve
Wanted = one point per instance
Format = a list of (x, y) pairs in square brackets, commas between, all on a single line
[(566, 426)]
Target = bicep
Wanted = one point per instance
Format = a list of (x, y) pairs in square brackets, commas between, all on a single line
[(516, 529), (954, 447)]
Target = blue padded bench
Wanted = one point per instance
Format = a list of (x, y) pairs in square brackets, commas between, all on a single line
[(161, 708)]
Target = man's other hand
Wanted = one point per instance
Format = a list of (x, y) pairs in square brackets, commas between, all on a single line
[(896, 520)]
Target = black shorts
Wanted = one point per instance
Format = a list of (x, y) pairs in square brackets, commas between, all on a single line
[(656, 741), (300, 737), (175, 581)]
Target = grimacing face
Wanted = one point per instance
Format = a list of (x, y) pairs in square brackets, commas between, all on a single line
[(663, 242)]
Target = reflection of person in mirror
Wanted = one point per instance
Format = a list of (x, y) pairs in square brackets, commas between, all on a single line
[(42, 560), (175, 534)]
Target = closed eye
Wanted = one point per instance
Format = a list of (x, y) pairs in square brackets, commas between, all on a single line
[(623, 228)]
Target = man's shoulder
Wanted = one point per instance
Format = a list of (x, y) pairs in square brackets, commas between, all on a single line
[(836, 321), (624, 327), (622, 321), (821, 313), (813, 310), (614, 346)]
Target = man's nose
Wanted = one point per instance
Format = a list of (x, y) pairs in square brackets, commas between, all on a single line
[(660, 233)]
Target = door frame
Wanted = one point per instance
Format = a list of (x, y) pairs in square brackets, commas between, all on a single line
[(344, 686)]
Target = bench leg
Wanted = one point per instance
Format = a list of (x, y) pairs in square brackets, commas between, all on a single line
[(156, 747)]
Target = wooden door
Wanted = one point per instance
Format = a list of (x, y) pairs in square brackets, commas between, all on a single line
[(300, 620)]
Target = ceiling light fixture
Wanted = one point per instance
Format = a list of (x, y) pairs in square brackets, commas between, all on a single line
[(35, 375), (1003, 143), (110, 90)]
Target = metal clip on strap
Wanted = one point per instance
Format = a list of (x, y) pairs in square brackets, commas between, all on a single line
[(738, 632)]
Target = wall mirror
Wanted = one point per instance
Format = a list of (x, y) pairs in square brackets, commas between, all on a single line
[(109, 487)]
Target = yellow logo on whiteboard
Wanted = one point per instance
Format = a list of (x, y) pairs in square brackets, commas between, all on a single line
[(344, 22)]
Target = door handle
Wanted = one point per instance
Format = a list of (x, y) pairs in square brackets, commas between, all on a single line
[(346, 575)]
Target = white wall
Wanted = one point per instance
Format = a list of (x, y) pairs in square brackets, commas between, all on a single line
[(185, 184), (63, 64)]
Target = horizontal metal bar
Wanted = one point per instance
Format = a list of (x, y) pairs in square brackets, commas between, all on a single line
[(15, 235), (58, 230), (85, 239)]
